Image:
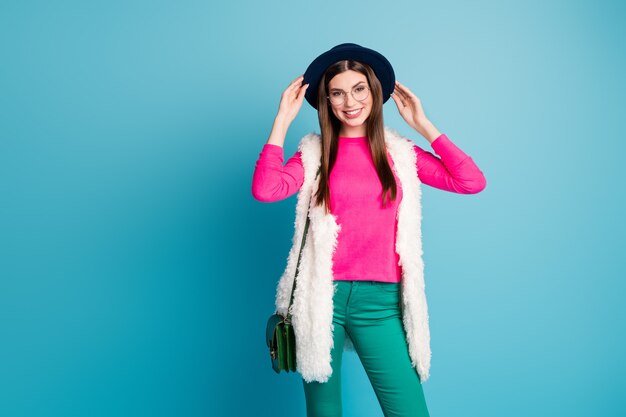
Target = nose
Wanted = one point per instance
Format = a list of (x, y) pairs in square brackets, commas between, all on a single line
[(349, 100)]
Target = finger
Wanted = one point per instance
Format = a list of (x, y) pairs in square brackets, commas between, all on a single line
[(292, 91), (401, 95), (398, 100), (296, 82), (407, 96), (298, 93), (302, 91), (406, 91), (399, 84), (402, 88)]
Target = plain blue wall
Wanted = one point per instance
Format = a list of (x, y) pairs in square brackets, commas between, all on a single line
[(137, 271)]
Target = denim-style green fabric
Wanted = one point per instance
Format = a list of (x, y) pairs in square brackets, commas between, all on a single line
[(370, 312)]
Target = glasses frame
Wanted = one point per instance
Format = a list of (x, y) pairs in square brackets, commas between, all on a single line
[(344, 95)]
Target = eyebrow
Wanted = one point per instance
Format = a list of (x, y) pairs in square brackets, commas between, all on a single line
[(332, 89)]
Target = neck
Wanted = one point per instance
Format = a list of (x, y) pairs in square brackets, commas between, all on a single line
[(353, 131)]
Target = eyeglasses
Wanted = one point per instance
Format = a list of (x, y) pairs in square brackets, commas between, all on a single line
[(360, 93)]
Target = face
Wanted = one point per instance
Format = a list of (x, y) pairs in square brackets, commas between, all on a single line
[(351, 125)]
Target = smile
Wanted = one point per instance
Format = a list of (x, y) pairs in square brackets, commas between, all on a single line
[(354, 113)]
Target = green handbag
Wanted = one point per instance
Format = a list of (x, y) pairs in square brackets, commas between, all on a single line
[(279, 333)]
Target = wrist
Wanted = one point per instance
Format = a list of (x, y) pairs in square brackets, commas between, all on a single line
[(428, 130), (282, 119)]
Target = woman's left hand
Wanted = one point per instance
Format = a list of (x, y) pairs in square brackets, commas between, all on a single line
[(409, 106)]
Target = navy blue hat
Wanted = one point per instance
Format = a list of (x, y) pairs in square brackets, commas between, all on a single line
[(381, 66)]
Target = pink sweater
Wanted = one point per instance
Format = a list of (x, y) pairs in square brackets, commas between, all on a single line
[(366, 241)]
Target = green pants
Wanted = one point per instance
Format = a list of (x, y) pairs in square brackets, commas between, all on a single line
[(370, 312)]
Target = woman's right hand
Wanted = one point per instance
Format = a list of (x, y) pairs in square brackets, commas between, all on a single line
[(291, 100)]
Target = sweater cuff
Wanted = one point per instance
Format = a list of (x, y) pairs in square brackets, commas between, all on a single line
[(439, 142), (448, 151), (273, 151)]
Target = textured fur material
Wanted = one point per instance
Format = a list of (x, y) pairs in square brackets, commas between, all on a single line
[(312, 308)]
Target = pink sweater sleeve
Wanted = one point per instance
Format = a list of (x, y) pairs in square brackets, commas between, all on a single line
[(454, 171), (271, 180)]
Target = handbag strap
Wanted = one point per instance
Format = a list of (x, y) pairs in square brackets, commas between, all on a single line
[(306, 228)]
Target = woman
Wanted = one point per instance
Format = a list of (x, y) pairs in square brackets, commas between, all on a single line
[(360, 283)]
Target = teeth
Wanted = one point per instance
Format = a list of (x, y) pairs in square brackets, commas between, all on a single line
[(354, 111)]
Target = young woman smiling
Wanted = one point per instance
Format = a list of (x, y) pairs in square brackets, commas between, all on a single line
[(360, 282)]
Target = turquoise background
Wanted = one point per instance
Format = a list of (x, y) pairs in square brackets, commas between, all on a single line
[(137, 271)]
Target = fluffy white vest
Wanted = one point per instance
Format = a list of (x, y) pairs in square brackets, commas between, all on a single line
[(312, 309)]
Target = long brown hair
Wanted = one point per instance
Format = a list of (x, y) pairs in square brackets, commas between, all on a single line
[(330, 126)]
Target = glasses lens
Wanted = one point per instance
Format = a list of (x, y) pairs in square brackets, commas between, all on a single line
[(360, 93), (336, 97)]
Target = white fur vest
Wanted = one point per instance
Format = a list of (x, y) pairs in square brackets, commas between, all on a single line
[(312, 309)]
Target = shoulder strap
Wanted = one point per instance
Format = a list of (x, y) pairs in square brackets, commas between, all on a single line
[(306, 228)]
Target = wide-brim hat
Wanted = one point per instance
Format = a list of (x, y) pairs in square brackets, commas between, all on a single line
[(381, 66)]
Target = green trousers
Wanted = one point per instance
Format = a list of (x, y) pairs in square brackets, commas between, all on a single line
[(370, 313)]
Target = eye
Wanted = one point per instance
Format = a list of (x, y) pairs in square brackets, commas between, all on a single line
[(335, 94), (360, 88)]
